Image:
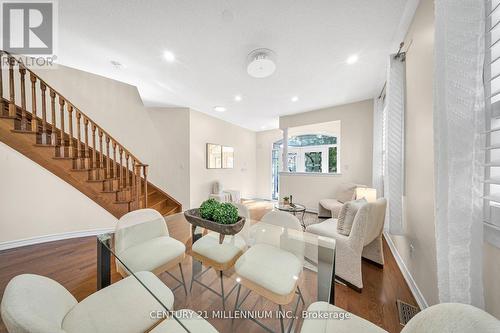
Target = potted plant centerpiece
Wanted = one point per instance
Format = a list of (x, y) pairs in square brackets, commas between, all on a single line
[(216, 216), (286, 200)]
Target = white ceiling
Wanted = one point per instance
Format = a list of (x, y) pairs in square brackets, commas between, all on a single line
[(211, 39)]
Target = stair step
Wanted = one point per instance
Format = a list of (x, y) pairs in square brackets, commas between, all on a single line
[(79, 170), (41, 145), (23, 132), (6, 116), (63, 158), (123, 202), (172, 209)]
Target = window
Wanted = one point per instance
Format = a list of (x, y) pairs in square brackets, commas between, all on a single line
[(307, 153), (315, 153)]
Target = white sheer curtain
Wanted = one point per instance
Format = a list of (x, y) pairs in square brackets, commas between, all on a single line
[(394, 170), (377, 177), (458, 124)]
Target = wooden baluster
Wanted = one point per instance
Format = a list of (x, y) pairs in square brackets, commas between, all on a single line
[(79, 135), (108, 159), (45, 140), (24, 120), (138, 167), (53, 135), (121, 168), (70, 129), (94, 147), (132, 174), (145, 172), (115, 165), (101, 150), (12, 101), (61, 131), (34, 120), (127, 175), (86, 132)]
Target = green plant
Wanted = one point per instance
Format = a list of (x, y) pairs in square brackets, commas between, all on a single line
[(208, 207), (286, 198), (225, 213)]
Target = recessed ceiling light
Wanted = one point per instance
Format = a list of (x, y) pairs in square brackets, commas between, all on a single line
[(169, 56), (219, 109), (237, 98), (352, 59), (295, 99)]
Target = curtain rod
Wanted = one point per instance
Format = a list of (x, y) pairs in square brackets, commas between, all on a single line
[(399, 55)]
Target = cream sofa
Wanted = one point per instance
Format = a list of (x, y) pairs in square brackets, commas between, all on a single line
[(331, 207), (440, 318), (33, 303), (364, 240)]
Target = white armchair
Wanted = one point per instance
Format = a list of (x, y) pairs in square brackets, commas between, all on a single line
[(440, 318), (364, 240), (142, 243), (33, 303)]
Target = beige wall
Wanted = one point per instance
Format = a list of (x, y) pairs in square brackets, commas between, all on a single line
[(491, 274), (356, 145), (34, 202), (206, 129), (419, 161)]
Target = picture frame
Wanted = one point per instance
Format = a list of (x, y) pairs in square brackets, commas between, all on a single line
[(214, 156), (227, 157)]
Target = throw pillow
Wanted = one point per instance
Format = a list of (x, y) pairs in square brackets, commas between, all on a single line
[(347, 215)]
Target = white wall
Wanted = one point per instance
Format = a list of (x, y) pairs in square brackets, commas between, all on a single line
[(419, 154), (34, 202), (206, 129), (356, 140)]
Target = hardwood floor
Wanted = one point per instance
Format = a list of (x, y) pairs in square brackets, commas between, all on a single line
[(73, 264)]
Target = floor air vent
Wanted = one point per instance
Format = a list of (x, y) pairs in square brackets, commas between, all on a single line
[(406, 312)]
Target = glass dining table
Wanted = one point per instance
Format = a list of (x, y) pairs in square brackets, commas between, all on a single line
[(255, 312)]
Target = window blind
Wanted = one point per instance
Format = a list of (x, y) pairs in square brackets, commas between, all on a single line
[(492, 135)]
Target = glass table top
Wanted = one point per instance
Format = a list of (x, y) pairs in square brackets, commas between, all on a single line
[(290, 207), (271, 262)]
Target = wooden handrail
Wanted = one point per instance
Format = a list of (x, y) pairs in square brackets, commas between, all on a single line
[(125, 177), (69, 103)]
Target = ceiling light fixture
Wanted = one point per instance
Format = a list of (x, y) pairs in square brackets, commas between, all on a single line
[(352, 59), (237, 98), (261, 63), (219, 109), (295, 99), (169, 56)]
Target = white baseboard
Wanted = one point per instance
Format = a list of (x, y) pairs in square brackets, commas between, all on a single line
[(419, 297), (55, 237)]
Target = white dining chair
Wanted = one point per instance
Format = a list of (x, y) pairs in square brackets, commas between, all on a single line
[(273, 264), (142, 243), (220, 257)]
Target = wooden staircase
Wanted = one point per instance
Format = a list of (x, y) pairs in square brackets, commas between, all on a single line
[(68, 143)]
